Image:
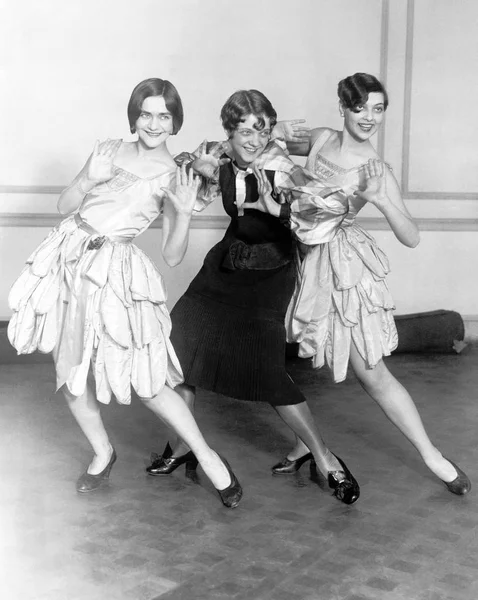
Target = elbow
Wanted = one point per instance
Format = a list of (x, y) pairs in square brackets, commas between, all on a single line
[(414, 241), (62, 206), (62, 212), (172, 260), (61, 209)]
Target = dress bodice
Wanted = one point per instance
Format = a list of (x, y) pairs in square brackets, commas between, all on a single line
[(332, 175), (126, 204)]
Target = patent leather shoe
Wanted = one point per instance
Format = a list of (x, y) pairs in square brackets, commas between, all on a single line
[(88, 482), (165, 463), (346, 489), (289, 467), (461, 485), (230, 496)]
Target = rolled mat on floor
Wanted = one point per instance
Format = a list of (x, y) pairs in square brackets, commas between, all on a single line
[(435, 331)]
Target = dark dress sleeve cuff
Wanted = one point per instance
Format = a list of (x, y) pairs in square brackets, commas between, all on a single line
[(284, 216)]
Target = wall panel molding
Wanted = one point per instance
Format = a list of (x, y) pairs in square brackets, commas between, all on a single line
[(383, 64), (407, 193), (222, 222), (32, 189)]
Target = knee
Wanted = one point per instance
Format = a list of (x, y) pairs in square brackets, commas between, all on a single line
[(68, 395), (147, 401), (373, 380), (187, 393), (185, 388)]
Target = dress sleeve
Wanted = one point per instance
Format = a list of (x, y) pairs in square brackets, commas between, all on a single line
[(316, 211), (209, 189)]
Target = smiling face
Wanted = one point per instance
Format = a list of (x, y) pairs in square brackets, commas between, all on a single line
[(155, 123), (247, 142), (363, 121)]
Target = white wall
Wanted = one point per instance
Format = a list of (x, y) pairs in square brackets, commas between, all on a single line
[(68, 69)]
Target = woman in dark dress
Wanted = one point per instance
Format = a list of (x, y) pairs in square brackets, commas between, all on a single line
[(228, 328)]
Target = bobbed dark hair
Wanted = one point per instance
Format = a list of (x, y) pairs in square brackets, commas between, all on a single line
[(244, 103), (155, 87), (353, 91)]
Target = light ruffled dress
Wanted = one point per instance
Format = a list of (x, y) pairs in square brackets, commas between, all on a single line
[(93, 299), (341, 295)]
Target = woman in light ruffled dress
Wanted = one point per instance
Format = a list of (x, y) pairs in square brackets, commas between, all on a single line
[(342, 310), (98, 303)]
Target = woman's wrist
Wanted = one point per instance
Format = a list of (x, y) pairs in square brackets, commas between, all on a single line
[(277, 133), (382, 203), (210, 173)]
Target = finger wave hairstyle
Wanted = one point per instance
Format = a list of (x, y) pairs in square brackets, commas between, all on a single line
[(156, 87), (244, 103), (353, 91)]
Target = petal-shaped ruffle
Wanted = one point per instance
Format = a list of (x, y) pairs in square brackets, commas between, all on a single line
[(22, 288), (118, 365), (146, 280), (103, 388), (115, 317)]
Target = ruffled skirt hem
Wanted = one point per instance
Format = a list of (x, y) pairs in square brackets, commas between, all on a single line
[(99, 308)]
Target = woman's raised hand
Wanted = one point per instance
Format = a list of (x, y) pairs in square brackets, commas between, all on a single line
[(207, 164), (184, 198), (265, 203), (100, 166), (375, 190), (292, 131)]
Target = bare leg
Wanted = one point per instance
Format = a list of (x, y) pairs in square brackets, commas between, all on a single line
[(86, 411), (171, 408), (188, 394), (399, 407), (299, 418)]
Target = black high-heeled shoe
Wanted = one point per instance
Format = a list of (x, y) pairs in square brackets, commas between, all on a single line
[(346, 489), (342, 482), (461, 485), (165, 463), (88, 482), (230, 496), (289, 467)]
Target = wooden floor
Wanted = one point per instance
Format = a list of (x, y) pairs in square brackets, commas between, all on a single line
[(145, 538)]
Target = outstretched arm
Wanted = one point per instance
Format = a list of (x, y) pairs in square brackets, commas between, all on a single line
[(381, 190), (299, 139), (98, 168), (177, 211)]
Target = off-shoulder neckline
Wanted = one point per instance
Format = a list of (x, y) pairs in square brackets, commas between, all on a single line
[(330, 163)]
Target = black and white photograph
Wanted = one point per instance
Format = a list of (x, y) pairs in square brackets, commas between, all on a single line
[(238, 300)]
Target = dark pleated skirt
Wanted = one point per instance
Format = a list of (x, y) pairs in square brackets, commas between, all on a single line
[(228, 332)]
